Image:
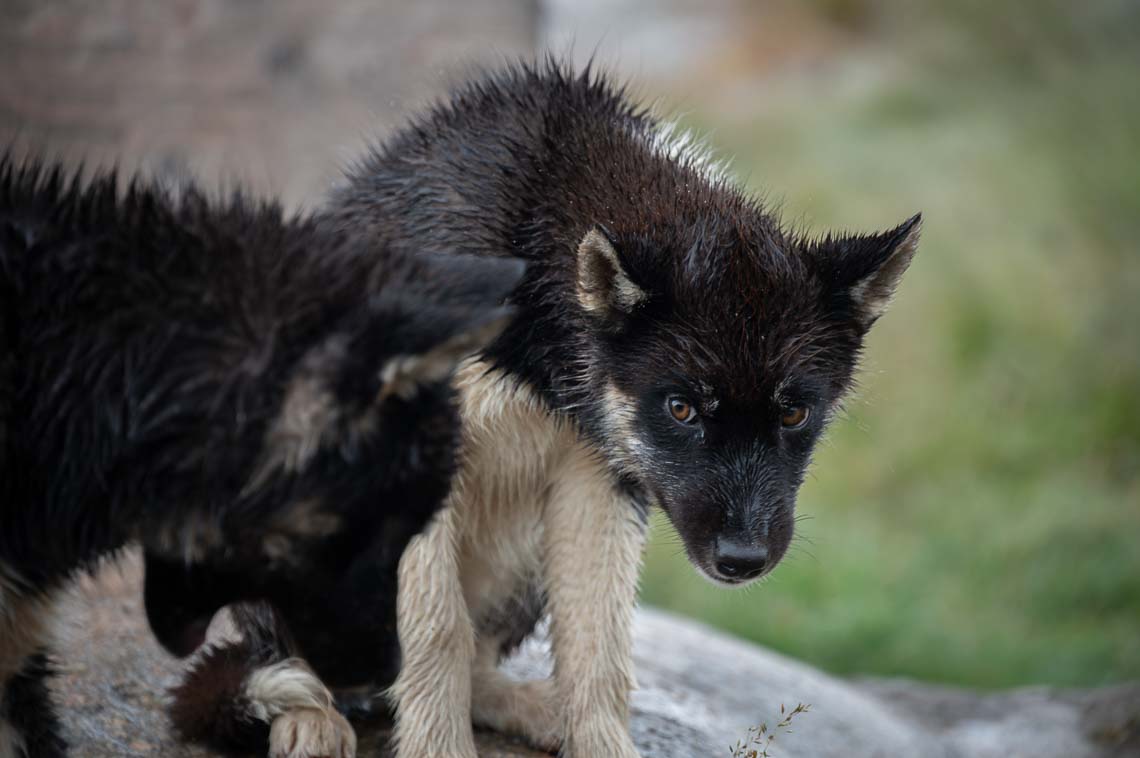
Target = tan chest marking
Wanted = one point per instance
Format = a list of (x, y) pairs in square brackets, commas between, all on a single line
[(511, 445)]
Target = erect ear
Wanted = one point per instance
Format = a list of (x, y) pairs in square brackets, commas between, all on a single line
[(869, 268), (604, 287), (458, 315), (459, 332)]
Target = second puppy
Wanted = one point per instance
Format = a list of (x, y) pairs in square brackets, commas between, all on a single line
[(233, 390)]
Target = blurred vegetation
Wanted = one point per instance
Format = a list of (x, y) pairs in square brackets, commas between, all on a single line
[(976, 517)]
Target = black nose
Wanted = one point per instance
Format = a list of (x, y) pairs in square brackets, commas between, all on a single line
[(738, 561)]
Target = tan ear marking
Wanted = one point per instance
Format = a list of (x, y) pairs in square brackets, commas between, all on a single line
[(602, 282), (404, 374), (873, 293)]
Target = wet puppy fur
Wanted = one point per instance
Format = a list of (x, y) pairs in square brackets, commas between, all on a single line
[(259, 397), (653, 278), (697, 346)]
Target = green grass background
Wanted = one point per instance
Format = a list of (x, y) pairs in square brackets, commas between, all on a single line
[(975, 518)]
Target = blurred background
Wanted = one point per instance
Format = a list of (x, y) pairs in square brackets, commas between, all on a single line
[(975, 518)]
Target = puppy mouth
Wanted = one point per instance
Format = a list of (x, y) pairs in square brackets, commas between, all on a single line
[(748, 561), (705, 566), (741, 571), (719, 580)]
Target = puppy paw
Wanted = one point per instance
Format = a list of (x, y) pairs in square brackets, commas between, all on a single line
[(535, 715), (608, 738), (310, 733), (439, 733), (434, 747), (528, 709)]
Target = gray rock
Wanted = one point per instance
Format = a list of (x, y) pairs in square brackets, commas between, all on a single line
[(699, 692), (704, 689)]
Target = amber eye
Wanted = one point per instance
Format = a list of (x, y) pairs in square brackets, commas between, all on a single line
[(681, 410), (795, 417)]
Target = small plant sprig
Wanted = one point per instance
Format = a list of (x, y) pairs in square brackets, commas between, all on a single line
[(760, 738)]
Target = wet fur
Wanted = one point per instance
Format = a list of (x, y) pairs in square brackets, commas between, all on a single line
[(650, 275), (242, 393)]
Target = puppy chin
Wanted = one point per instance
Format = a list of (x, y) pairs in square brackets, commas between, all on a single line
[(712, 578)]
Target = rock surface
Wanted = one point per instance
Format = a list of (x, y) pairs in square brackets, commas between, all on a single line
[(699, 692)]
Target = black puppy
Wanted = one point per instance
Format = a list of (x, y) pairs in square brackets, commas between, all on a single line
[(674, 345), (230, 388)]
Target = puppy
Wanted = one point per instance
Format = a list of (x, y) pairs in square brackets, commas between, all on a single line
[(264, 397), (674, 345)]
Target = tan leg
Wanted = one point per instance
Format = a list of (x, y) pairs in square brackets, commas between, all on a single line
[(593, 544), (526, 708), (432, 694)]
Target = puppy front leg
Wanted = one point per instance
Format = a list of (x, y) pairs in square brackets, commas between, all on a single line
[(594, 537), (249, 692), (432, 693)]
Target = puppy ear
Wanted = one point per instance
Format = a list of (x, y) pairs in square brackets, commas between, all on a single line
[(604, 287), (459, 332), (454, 313), (868, 268)]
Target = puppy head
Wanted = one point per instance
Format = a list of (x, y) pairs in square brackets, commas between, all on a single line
[(723, 350)]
